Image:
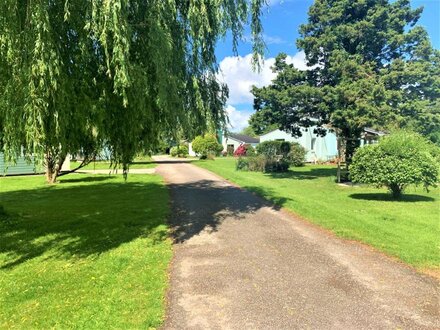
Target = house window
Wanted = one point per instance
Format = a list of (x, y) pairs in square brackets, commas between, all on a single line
[(230, 149), (312, 144)]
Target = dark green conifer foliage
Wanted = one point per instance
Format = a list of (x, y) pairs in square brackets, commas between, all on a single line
[(369, 65)]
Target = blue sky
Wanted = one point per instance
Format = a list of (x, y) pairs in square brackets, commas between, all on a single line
[(281, 20)]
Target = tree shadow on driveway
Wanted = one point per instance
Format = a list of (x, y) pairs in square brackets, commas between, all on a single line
[(203, 205)]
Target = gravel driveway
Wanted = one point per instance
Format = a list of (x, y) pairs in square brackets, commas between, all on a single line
[(241, 263)]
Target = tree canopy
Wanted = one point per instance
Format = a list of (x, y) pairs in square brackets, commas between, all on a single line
[(75, 75), (369, 64)]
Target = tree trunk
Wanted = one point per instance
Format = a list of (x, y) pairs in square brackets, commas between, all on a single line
[(396, 190), (53, 166)]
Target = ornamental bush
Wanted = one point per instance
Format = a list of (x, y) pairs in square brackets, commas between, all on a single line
[(297, 154), (244, 150), (261, 163), (179, 151), (206, 146), (397, 161), (273, 148), (242, 164)]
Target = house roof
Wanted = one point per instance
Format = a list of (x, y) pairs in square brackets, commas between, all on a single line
[(243, 138), (374, 132)]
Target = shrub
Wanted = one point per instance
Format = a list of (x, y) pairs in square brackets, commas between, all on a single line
[(297, 154), (269, 148), (397, 161), (241, 151), (257, 163), (242, 164), (244, 150), (206, 145), (261, 163), (250, 150), (179, 151), (274, 148), (173, 151), (183, 151), (276, 165)]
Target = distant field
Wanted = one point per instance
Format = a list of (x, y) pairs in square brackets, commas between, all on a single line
[(90, 252), (408, 229)]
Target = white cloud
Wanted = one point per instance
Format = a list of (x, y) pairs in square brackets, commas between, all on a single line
[(237, 73), (237, 119), (273, 40), (268, 39)]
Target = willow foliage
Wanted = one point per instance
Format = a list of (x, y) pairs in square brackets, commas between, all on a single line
[(75, 74)]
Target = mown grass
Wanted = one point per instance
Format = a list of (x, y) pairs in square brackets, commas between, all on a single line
[(408, 229), (90, 252), (138, 163)]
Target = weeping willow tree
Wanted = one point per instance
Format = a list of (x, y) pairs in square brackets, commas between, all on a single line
[(81, 74)]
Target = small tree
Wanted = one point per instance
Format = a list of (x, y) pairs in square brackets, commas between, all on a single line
[(297, 154), (397, 161), (206, 145)]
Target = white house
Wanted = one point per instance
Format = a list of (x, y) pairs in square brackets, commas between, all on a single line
[(317, 147), (230, 142)]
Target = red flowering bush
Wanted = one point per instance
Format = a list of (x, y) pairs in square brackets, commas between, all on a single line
[(244, 150), (241, 151)]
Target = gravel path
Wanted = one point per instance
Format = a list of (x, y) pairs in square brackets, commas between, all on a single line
[(240, 263)]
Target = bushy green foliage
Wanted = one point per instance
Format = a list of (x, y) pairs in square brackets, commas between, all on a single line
[(242, 164), (179, 151), (297, 154), (206, 145), (261, 163), (397, 161), (273, 148), (282, 152)]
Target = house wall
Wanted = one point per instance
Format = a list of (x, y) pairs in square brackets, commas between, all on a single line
[(317, 147), (191, 151), (22, 166), (227, 140)]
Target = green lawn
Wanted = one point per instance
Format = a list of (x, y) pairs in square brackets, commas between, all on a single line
[(138, 163), (407, 229), (88, 253)]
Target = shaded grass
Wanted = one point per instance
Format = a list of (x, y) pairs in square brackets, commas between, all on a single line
[(89, 252), (138, 163), (408, 229)]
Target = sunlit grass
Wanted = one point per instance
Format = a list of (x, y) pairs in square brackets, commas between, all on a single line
[(89, 252)]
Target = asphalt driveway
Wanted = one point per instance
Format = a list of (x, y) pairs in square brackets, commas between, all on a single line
[(240, 263)]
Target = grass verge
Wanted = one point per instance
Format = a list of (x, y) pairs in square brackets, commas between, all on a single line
[(138, 163), (90, 252), (407, 229)]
